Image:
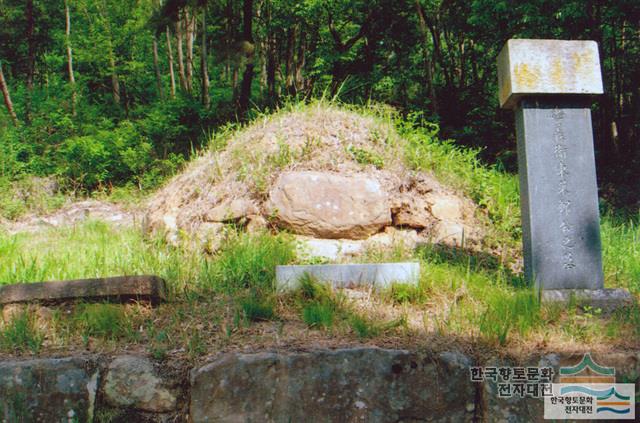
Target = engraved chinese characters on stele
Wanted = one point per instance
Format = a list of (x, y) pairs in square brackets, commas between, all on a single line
[(561, 234), (565, 201)]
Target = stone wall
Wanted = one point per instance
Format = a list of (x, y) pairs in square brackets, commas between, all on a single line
[(365, 384)]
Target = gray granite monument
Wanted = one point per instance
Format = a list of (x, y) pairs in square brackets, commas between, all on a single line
[(548, 83)]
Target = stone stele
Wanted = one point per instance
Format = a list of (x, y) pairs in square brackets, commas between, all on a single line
[(544, 67), (548, 83)]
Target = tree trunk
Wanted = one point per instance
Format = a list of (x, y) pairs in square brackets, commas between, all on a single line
[(247, 78), (31, 59), (72, 78), (206, 100), (300, 62), (7, 97), (115, 83), (261, 50), (156, 67), (181, 73), (270, 57), (271, 69), (189, 27), (171, 72), (288, 66), (427, 59)]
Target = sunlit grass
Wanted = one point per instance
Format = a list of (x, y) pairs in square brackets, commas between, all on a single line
[(463, 295)]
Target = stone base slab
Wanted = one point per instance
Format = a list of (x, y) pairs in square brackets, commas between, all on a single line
[(120, 288), (608, 300), (378, 275)]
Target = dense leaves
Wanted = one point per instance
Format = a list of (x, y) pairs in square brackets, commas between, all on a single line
[(142, 69)]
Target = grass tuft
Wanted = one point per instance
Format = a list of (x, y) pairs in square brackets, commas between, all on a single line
[(248, 262), (107, 321), (257, 309), (363, 327), (319, 315), (21, 334)]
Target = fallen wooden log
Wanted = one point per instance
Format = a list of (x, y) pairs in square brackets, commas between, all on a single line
[(121, 288)]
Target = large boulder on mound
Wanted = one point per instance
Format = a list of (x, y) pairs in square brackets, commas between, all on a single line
[(328, 205), (334, 178)]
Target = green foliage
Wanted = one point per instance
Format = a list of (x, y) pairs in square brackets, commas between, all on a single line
[(29, 195), (363, 327), (257, 309), (196, 345), (319, 315), (248, 262), (621, 250), (402, 293), (107, 321), (21, 334), (114, 156), (493, 189), (311, 289), (366, 157), (520, 314)]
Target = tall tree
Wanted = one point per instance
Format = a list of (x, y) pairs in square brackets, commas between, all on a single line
[(247, 77), (7, 97), (67, 38), (170, 58), (181, 71), (426, 51), (189, 26), (206, 100), (31, 58), (156, 67)]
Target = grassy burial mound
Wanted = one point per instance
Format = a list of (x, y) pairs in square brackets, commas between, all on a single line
[(250, 200), (330, 175)]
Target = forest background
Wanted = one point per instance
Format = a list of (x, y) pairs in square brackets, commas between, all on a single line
[(113, 96)]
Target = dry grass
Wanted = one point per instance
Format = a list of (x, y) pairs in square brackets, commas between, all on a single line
[(209, 324)]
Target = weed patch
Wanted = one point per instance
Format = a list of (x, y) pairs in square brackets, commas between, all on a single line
[(21, 335), (107, 321), (319, 315)]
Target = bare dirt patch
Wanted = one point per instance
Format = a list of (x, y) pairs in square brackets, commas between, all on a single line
[(73, 214)]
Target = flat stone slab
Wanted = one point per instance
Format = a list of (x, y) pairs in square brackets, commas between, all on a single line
[(527, 67), (120, 288), (378, 275), (608, 300)]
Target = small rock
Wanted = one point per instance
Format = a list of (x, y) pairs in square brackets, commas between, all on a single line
[(449, 233), (231, 211), (328, 249), (11, 311), (392, 237), (412, 212), (132, 382), (44, 317), (256, 224), (445, 207), (170, 228), (210, 235)]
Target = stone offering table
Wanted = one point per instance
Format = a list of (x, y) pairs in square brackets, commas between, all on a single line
[(373, 275)]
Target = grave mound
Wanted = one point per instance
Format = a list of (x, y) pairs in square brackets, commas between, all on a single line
[(333, 177)]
